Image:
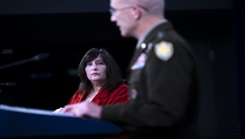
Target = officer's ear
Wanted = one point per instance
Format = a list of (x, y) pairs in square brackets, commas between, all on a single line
[(136, 12)]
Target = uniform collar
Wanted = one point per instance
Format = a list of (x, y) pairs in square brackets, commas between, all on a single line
[(147, 32)]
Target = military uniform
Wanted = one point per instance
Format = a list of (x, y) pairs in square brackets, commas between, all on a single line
[(164, 88)]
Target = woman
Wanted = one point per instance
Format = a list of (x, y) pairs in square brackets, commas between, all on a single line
[(101, 80)]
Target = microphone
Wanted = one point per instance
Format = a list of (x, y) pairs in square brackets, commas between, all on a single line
[(40, 57), (35, 58), (8, 84)]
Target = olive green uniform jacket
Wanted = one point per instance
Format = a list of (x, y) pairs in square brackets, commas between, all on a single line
[(164, 88)]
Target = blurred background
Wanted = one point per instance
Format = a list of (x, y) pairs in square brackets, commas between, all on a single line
[(43, 41)]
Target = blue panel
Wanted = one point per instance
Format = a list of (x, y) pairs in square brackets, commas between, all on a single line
[(27, 124)]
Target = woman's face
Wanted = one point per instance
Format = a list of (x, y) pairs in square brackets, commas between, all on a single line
[(96, 70)]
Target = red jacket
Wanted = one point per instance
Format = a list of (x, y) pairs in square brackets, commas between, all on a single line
[(118, 95)]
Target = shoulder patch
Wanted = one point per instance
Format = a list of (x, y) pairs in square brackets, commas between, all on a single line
[(164, 50)]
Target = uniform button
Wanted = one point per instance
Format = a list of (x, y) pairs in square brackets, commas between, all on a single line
[(133, 93)]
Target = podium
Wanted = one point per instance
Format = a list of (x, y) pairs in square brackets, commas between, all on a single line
[(24, 122)]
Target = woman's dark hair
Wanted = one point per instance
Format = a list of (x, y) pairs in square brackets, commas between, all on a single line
[(113, 72)]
